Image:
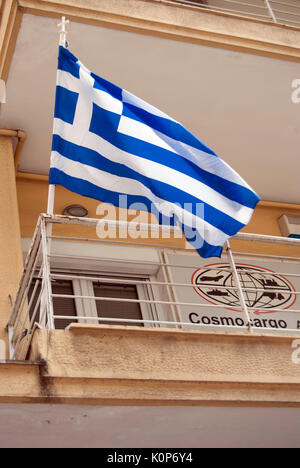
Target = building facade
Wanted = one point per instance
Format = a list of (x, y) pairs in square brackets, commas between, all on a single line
[(105, 316)]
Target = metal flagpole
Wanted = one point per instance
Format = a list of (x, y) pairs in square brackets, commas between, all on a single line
[(272, 14), (62, 42), (51, 198), (63, 32), (238, 286), (46, 298)]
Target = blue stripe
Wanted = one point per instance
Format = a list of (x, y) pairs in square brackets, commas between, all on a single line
[(162, 190), (167, 127), (105, 124), (87, 189), (65, 104), (107, 86), (68, 62)]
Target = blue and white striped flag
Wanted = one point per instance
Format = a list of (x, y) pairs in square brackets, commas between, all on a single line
[(108, 143)]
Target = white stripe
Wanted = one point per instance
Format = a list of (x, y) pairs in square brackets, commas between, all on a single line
[(205, 161), (107, 102), (157, 171), (114, 183), (137, 102), (143, 132)]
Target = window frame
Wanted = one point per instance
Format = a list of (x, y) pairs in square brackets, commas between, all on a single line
[(131, 262), (88, 307)]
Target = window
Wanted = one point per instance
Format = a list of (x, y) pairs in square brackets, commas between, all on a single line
[(130, 310), (93, 271), (89, 308), (109, 309)]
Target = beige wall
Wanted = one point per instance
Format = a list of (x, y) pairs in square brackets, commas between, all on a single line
[(178, 22)]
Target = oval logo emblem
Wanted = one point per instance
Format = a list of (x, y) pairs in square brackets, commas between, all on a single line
[(265, 289)]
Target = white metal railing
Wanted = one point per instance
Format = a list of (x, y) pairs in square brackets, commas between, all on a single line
[(33, 306), (277, 11)]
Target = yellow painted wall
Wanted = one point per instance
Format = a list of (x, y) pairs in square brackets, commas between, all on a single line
[(265, 221), (10, 241), (32, 195)]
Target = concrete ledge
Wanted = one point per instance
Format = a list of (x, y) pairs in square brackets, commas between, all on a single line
[(114, 392), (114, 352), (110, 365), (19, 382), (25, 383), (90, 328), (96, 364), (178, 22)]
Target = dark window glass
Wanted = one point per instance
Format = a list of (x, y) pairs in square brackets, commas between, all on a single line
[(105, 309), (63, 306), (112, 309)]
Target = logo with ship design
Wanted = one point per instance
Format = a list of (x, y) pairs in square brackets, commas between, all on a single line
[(263, 289)]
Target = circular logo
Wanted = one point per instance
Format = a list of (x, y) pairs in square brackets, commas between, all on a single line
[(265, 289)]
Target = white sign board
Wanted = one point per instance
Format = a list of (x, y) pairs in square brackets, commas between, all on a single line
[(270, 288)]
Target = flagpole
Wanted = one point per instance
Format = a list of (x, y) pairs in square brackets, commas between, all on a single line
[(51, 199), (62, 42), (46, 299)]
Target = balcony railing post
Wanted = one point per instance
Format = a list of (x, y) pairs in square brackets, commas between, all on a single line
[(238, 286), (46, 301), (270, 9), (10, 331)]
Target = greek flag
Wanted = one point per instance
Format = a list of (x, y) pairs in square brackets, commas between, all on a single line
[(108, 143)]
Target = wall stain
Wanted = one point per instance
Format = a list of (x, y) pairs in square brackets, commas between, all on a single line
[(47, 390)]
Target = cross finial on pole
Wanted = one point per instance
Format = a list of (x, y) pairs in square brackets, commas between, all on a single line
[(63, 32)]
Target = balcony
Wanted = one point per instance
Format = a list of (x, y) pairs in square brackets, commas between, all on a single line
[(105, 321), (75, 280), (277, 11)]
